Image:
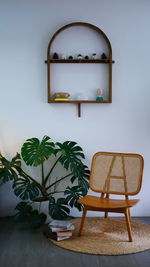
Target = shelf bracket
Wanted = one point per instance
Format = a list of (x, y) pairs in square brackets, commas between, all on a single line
[(79, 109)]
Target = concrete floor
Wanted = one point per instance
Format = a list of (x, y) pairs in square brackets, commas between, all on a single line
[(20, 247)]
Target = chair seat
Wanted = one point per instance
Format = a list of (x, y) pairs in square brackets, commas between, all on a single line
[(99, 203)]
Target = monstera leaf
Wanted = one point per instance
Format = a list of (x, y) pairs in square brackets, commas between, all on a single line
[(81, 174), (25, 189), (9, 169), (73, 194), (36, 219), (71, 155), (58, 209), (25, 213), (35, 152)]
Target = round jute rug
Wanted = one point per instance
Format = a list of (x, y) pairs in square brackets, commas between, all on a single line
[(107, 237)]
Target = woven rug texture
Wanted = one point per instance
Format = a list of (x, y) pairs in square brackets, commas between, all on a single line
[(107, 237)]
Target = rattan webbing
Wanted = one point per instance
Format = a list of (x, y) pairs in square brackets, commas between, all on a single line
[(116, 173)]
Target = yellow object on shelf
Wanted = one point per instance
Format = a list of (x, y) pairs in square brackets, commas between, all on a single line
[(61, 99)]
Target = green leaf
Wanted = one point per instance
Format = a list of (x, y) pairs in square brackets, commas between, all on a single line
[(27, 214), (58, 209), (36, 220), (23, 212), (82, 174), (73, 194), (35, 152), (23, 206), (9, 170), (71, 155), (25, 189)]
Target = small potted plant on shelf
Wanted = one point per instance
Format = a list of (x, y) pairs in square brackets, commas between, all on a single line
[(29, 189)]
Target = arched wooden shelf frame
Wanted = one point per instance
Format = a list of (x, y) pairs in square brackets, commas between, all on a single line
[(108, 61)]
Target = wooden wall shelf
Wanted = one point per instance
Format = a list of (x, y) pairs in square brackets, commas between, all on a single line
[(102, 61), (108, 61)]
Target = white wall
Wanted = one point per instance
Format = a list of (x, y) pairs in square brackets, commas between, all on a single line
[(124, 126)]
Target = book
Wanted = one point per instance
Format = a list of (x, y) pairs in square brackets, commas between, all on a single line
[(60, 229), (61, 225), (62, 238), (53, 235), (66, 233)]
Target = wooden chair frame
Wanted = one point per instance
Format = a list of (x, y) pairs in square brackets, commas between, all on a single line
[(104, 203)]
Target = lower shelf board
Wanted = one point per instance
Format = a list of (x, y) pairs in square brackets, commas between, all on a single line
[(79, 101)]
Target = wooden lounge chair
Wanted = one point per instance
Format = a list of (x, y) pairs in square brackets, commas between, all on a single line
[(113, 173)]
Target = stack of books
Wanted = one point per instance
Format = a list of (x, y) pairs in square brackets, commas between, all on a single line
[(59, 230)]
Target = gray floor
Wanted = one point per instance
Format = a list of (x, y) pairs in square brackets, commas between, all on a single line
[(20, 247)]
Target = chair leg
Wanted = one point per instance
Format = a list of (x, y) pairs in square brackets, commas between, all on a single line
[(106, 215), (82, 221), (127, 216)]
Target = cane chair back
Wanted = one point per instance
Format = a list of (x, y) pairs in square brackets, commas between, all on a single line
[(116, 173)]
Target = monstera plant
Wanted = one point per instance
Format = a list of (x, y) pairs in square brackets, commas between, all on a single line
[(48, 157)]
